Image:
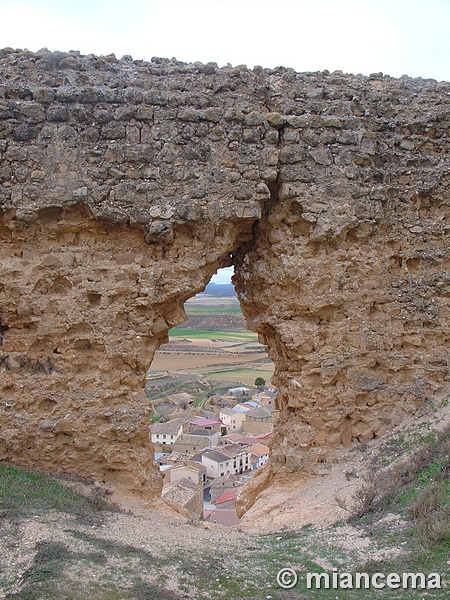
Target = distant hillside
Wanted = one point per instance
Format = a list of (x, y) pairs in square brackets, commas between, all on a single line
[(223, 290)]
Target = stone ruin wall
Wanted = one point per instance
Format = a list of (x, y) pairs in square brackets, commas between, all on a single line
[(124, 185)]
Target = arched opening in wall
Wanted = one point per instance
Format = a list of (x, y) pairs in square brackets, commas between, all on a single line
[(212, 398)]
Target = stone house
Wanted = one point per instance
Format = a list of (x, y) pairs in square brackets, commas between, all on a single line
[(212, 436), (182, 399), (189, 444), (184, 494), (258, 420), (265, 398)]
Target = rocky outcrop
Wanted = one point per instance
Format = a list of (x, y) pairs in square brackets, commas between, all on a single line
[(124, 185)]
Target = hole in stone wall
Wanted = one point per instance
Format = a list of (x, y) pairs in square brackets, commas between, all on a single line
[(211, 393), (94, 297), (3, 328)]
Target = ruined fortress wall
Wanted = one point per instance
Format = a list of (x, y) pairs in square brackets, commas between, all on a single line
[(124, 185)]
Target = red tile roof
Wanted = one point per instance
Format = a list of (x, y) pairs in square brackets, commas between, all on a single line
[(227, 496), (259, 450), (205, 422)]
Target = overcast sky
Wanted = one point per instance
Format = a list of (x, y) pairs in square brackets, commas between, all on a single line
[(356, 36)]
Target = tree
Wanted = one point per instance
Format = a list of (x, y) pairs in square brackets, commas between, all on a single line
[(260, 382)]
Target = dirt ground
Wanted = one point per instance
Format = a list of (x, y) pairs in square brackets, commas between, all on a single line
[(173, 548)]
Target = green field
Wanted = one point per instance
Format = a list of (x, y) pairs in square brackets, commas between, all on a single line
[(245, 376), (214, 345), (199, 334)]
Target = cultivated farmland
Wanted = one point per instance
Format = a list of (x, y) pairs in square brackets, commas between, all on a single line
[(214, 345)]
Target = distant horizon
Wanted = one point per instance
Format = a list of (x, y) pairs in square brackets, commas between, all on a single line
[(223, 276), (220, 283)]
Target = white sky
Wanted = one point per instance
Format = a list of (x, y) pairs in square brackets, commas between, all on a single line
[(223, 275), (356, 36)]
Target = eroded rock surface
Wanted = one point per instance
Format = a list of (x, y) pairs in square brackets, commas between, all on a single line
[(124, 185)]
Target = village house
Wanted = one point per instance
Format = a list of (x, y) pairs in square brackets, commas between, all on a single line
[(166, 433), (265, 398), (212, 436), (258, 420), (230, 438), (240, 455), (169, 458), (217, 464), (227, 517), (190, 444), (237, 451), (245, 406), (188, 469), (239, 392), (221, 484), (211, 424), (232, 419), (260, 455), (184, 494), (245, 440), (228, 460)]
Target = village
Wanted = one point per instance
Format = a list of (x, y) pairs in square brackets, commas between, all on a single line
[(206, 453)]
